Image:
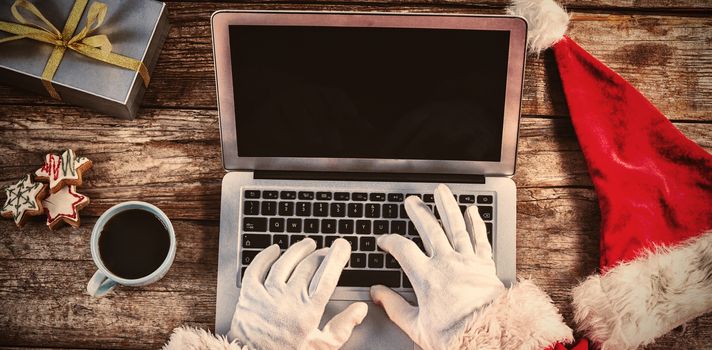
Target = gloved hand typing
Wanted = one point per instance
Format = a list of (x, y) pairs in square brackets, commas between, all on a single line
[(282, 300), (455, 279)]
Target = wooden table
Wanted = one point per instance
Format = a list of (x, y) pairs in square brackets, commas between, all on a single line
[(170, 156)]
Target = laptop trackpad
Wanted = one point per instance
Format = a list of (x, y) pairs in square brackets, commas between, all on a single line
[(376, 331)]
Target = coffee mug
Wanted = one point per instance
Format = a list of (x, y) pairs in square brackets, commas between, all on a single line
[(104, 280)]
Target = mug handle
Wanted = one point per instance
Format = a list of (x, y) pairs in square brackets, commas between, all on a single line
[(100, 284)]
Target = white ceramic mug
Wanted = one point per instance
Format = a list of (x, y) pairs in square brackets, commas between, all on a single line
[(103, 280)]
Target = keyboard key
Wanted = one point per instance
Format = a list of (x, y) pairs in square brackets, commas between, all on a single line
[(306, 195), (367, 278), (358, 260), (373, 210), (276, 225), (288, 195), (323, 196), (367, 244), (294, 225), (411, 229), (390, 211), (255, 240), (328, 240), (398, 226), (467, 198), (363, 227), (484, 199), (321, 209), (248, 256), (319, 241), (303, 209), (395, 197), (342, 196), (462, 209), (281, 240), (355, 210), (488, 226), (406, 282), (359, 196), (269, 207), (428, 198), (251, 208), (269, 194), (286, 208), (412, 194), (403, 213), (346, 227), (338, 210), (391, 262), (485, 212), (293, 239), (254, 224), (328, 226), (311, 225), (380, 227), (353, 241), (377, 197), (242, 272), (375, 260), (252, 194)]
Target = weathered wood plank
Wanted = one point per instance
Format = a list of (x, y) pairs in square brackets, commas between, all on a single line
[(197, 242), (172, 157), (48, 306), (668, 58), (43, 270), (646, 5)]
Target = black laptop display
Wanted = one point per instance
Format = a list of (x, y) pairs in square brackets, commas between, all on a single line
[(387, 93)]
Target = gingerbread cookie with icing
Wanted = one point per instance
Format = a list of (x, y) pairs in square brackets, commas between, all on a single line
[(63, 206), (24, 199), (64, 170)]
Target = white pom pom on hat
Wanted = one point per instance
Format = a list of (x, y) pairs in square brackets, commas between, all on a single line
[(547, 22)]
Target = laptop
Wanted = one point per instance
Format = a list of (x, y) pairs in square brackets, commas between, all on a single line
[(328, 121)]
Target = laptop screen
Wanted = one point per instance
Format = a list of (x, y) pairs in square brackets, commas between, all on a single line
[(355, 92)]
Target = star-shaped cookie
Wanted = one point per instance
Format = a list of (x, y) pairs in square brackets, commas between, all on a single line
[(24, 199), (64, 170), (64, 206)]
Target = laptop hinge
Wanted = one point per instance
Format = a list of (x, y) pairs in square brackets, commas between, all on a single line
[(363, 176)]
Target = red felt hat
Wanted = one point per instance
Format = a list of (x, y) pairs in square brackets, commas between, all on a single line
[(654, 188)]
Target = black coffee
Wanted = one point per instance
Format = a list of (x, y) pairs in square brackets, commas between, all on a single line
[(133, 244)]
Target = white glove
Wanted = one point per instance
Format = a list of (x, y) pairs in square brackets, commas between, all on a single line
[(281, 309), (451, 283)]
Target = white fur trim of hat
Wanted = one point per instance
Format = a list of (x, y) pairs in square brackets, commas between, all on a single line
[(637, 301)]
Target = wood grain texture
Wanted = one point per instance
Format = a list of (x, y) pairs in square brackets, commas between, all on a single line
[(48, 271), (635, 5), (170, 156), (668, 58)]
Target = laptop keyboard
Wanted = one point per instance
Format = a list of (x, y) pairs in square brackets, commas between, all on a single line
[(284, 217)]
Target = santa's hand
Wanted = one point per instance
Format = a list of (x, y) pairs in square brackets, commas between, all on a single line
[(282, 300), (456, 277)]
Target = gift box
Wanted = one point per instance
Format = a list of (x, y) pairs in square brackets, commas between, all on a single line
[(96, 54)]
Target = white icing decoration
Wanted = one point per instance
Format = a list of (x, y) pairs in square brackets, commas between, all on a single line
[(21, 197), (64, 204), (57, 169)]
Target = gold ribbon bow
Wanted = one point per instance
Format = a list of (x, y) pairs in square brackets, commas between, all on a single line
[(97, 47)]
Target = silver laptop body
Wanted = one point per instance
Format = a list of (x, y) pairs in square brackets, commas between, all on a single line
[(341, 111)]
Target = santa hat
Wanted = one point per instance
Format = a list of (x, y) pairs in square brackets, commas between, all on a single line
[(654, 188)]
